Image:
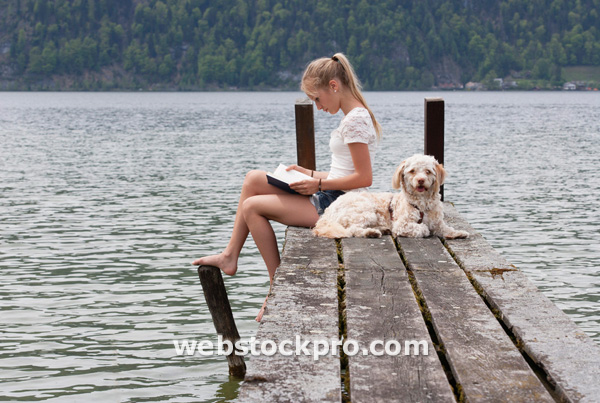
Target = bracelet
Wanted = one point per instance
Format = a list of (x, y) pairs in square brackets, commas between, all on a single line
[(319, 184), (311, 173)]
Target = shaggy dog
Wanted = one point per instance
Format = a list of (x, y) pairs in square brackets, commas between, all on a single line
[(415, 212)]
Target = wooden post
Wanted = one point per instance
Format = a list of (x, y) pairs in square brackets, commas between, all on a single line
[(220, 310), (434, 130), (305, 134)]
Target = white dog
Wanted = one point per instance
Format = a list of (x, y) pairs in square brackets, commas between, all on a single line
[(415, 212)]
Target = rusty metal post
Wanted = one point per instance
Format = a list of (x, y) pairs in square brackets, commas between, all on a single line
[(220, 310), (434, 130), (305, 134)]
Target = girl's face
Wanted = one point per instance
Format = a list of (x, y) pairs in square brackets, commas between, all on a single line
[(327, 99)]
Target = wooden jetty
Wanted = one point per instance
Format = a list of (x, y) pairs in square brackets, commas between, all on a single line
[(490, 334)]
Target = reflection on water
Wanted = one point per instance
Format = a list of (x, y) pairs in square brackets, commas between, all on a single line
[(106, 198)]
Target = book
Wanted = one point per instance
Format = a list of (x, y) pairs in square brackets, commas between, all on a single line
[(282, 178)]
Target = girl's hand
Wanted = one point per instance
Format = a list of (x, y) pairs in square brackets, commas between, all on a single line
[(299, 169), (306, 187)]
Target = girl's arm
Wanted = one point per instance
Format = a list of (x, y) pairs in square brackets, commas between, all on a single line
[(363, 172), (362, 176)]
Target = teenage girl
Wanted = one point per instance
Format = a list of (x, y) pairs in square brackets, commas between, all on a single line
[(332, 84)]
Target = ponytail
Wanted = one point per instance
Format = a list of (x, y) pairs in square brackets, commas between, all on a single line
[(321, 71)]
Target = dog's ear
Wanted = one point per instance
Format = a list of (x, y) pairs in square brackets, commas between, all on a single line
[(398, 178), (441, 175)]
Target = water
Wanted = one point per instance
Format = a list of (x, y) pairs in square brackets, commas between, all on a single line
[(106, 198)]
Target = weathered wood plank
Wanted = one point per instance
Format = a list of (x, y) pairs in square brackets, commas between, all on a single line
[(380, 305), (303, 302), (549, 337), (217, 301), (484, 361)]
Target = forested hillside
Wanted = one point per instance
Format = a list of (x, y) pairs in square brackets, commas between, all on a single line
[(260, 44)]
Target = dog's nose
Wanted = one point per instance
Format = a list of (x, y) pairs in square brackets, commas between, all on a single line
[(421, 181)]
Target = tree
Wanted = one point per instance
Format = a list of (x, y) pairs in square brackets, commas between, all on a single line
[(89, 50), (35, 60), (166, 67), (541, 70), (49, 58)]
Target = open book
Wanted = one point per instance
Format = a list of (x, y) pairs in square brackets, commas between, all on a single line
[(282, 178)]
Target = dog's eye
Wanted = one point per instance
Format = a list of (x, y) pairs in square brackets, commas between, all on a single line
[(412, 171), (428, 172)]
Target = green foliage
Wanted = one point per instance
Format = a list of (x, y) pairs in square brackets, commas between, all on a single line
[(209, 44)]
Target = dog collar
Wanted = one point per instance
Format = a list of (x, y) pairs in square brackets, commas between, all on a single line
[(419, 210)]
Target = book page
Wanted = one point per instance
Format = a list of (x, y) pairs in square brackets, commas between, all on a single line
[(289, 176)]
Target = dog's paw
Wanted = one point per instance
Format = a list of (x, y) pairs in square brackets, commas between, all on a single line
[(413, 230), (423, 231), (456, 234), (372, 233)]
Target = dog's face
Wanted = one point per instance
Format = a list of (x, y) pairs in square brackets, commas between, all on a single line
[(419, 174)]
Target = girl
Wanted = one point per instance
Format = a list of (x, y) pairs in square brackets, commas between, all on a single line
[(332, 84)]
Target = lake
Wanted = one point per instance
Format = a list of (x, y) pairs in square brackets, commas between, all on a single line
[(106, 198)]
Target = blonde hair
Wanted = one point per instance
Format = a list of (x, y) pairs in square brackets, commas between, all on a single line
[(320, 72)]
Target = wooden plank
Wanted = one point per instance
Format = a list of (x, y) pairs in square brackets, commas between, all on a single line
[(484, 361), (380, 305), (217, 301), (550, 338), (304, 302)]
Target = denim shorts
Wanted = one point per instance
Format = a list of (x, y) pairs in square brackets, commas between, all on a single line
[(322, 200)]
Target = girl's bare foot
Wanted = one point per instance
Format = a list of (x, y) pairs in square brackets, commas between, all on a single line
[(227, 263), (262, 310)]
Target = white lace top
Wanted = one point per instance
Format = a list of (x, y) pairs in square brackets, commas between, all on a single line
[(356, 127)]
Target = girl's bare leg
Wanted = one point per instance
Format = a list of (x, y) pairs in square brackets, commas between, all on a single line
[(259, 203), (286, 209), (255, 183)]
